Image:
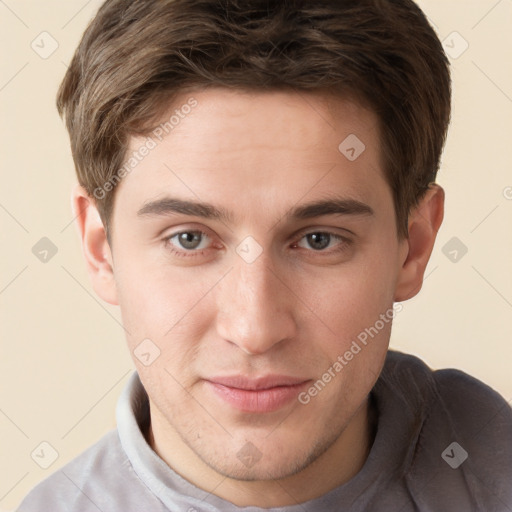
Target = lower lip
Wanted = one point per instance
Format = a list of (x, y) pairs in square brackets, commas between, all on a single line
[(258, 401)]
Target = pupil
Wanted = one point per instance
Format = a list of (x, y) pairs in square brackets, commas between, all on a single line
[(319, 241), (190, 240)]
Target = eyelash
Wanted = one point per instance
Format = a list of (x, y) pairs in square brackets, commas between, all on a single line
[(343, 244), (184, 253)]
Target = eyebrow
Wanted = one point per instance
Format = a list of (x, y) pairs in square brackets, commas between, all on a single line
[(337, 206)]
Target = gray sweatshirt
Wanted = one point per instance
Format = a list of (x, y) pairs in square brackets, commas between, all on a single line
[(443, 444)]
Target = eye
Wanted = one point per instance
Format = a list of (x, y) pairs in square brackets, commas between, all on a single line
[(189, 241), (320, 240)]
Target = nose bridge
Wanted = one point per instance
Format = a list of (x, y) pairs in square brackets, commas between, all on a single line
[(255, 312)]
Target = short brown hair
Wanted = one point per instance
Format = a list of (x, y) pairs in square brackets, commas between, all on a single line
[(138, 54)]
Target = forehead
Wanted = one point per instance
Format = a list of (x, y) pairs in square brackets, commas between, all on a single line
[(284, 145), (238, 119)]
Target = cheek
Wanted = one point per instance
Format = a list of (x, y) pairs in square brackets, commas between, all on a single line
[(357, 306), (152, 293), (358, 309), (165, 305), (354, 297)]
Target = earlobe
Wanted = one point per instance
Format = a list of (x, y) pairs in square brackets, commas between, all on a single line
[(95, 246), (424, 223)]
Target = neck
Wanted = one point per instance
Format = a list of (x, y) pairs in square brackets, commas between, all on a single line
[(336, 466)]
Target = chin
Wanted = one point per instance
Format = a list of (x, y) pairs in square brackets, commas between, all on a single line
[(274, 461), (261, 471)]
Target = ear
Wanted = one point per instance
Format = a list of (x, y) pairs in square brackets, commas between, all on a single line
[(95, 247), (424, 223)]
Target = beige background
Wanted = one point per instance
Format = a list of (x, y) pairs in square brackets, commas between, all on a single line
[(64, 362)]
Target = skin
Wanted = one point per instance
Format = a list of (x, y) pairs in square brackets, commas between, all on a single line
[(292, 311)]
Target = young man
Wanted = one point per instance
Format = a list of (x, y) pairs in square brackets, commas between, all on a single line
[(257, 195)]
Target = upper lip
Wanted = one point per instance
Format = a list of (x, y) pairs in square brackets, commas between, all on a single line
[(259, 383)]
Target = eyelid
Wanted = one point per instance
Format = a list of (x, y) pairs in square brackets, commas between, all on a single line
[(195, 231), (181, 252), (202, 232), (169, 232), (343, 241), (334, 231)]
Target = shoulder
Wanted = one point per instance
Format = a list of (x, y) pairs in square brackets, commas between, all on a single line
[(482, 424), (469, 402), (479, 415), (80, 485), (470, 398), (464, 445)]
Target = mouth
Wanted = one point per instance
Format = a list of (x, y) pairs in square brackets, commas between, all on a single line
[(265, 394)]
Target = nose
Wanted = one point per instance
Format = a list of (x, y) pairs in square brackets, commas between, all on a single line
[(256, 308)]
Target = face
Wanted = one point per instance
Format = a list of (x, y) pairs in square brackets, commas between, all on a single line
[(253, 253)]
